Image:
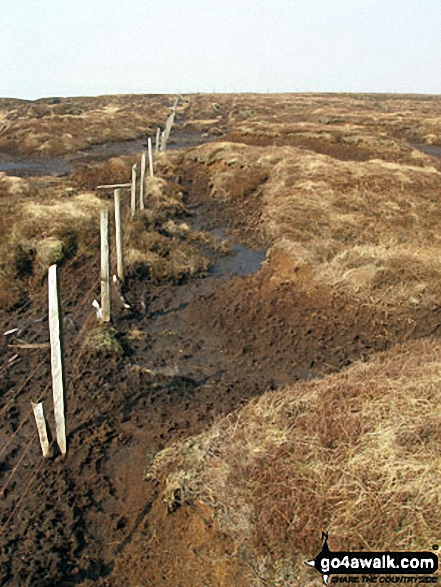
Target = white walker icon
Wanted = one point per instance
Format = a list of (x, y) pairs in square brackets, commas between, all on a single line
[(323, 553)]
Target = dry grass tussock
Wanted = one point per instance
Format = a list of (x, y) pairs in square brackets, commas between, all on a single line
[(370, 227), (115, 170), (88, 175), (38, 231), (161, 247), (357, 453)]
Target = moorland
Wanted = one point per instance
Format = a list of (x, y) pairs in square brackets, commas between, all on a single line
[(277, 372)]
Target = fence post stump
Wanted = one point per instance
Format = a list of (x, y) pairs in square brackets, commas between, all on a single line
[(119, 236), (133, 190), (152, 173), (105, 266), (142, 186), (158, 136), (41, 427), (57, 364)]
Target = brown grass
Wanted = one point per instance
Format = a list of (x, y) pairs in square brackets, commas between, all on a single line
[(38, 230), (55, 224), (372, 228), (160, 248), (115, 170), (65, 125), (356, 453), (366, 123)]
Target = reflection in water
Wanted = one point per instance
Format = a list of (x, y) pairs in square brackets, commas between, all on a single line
[(242, 262), (37, 167), (434, 150)]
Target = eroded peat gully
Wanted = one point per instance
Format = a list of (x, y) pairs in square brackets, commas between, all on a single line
[(186, 354), (65, 521)]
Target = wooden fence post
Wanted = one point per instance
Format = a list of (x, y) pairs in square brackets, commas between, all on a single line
[(166, 134), (105, 266), (133, 190), (41, 427), (158, 136), (57, 364), (152, 173), (119, 236), (142, 186)]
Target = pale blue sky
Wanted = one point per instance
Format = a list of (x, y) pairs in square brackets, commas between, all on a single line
[(91, 47)]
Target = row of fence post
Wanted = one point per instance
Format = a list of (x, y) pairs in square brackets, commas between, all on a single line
[(54, 303)]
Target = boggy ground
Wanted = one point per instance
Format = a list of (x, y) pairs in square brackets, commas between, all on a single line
[(168, 372), (200, 343)]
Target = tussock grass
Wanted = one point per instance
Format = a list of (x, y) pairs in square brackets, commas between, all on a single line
[(357, 454), (74, 222), (103, 339), (163, 253), (115, 170), (38, 231), (369, 227), (162, 248)]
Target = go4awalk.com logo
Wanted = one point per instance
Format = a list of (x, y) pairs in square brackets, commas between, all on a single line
[(368, 565)]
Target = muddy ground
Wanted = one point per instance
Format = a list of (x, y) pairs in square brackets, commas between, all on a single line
[(188, 353)]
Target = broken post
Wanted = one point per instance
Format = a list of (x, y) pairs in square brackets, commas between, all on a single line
[(119, 236), (41, 427), (133, 190), (142, 186), (105, 266), (158, 136), (57, 366), (163, 141), (152, 173)]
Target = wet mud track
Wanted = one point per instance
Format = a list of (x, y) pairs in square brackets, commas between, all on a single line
[(191, 353), (64, 521)]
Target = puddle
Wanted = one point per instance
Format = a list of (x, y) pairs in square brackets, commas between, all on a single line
[(243, 261), (37, 167), (434, 150)]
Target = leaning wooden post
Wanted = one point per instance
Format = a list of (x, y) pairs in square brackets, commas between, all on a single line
[(57, 364), (133, 190), (152, 173), (105, 266), (142, 186), (37, 408), (158, 136), (166, 133), (119, 236)]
